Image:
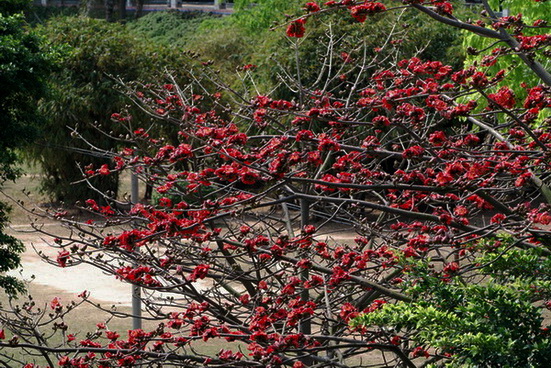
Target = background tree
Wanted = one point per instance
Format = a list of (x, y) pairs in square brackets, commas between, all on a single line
[(245, 38), (171, 28), (405, 30), (11, 7), (23, 67), (95, 56)]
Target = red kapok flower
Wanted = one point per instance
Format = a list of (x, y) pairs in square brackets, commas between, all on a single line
[(55, 303), (296, 28), (104, 170), (309, 229), (498, 218), (413, 151), (112, 335), (419, 351), (311, 7), (451, 268), (504, 97), (360, 12), (444, 7), (200, 272), (249, 177), (62, 258)]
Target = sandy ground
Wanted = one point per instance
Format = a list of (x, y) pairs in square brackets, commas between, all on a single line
[(102, 287), (71, 280)]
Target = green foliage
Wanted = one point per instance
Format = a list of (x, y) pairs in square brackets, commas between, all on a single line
[(510, 266), (10, 259), (518, 72), (530, 10), (95, 56), (22, 71), (233, 41), (244, 38), (487, 325), (405, 33), (229, 47), (10, 7), (172, 28), (496, 322), (490, 326), (257, 16), (213, 38)]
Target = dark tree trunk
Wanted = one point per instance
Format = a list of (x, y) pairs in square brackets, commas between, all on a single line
[(122, 9), (139, 8), (109, 9), (148, 192)]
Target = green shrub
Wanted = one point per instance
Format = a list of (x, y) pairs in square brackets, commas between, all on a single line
[(172, 28), (492, 323)]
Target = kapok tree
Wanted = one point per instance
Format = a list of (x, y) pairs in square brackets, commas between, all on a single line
[(449, 202)]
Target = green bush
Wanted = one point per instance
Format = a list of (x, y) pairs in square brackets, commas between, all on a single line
[(171, 27), (494, 323)]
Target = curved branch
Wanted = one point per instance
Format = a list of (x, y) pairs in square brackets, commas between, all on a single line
[(502, 35)]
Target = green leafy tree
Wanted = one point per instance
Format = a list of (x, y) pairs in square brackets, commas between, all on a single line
[(10, 259), (95, 57), (229, 41), (22, 70), (491, 324), (258, 16), (245, 38)]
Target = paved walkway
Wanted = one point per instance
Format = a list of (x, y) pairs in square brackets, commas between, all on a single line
[(184, 6)]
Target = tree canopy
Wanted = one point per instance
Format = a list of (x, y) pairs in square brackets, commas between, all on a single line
[(23, 68)]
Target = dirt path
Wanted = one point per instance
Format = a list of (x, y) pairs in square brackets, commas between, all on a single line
[(76, 279), (52, 279)]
